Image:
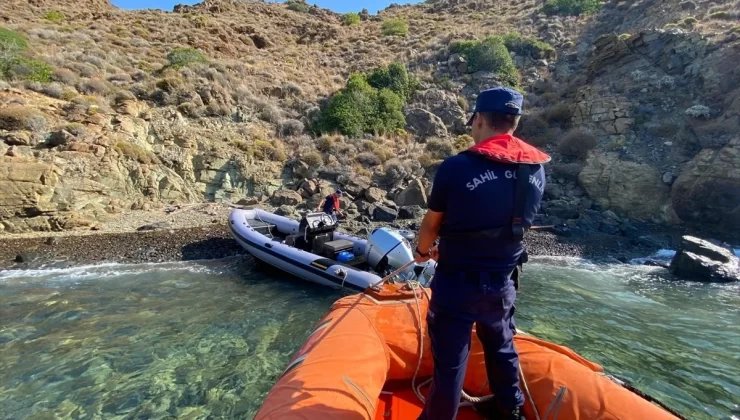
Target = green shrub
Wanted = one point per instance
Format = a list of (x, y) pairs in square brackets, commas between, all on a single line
[(489, 54), (23, 68), (571, 7), (388, 116), (54, 16), (369, 104), (12, 42), (394, 77), (527, 46), (350, 109), (298, 6), (14, 62), (351, 19), (396, 26), (182, 57)]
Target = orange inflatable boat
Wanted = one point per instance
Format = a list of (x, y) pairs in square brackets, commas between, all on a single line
[(361, 360)]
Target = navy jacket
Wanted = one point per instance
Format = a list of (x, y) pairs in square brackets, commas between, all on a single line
[(476, 193)]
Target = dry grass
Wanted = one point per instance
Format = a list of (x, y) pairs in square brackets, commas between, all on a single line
[(20, 117), (577, 143), (135, 152)]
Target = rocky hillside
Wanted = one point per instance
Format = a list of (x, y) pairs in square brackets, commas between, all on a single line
[(104, 110)]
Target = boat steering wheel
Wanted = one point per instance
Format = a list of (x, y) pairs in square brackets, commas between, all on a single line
[(324, 220)]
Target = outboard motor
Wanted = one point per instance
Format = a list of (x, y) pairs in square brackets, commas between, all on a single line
[(388, 250)]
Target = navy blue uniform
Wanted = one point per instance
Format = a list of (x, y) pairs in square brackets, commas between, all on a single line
[(473, 282)]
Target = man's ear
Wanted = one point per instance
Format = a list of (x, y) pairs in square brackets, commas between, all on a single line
[(479, 121)]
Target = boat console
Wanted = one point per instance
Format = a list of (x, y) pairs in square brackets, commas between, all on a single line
[(316, 235)]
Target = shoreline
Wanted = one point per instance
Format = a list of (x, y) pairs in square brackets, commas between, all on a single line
[(215, 241), (200, 231)]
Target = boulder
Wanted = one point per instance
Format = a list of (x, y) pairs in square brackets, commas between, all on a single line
[(301, 169), (287, 211), (374, 195), (631, 188), (354, 185), (610, 223), (72, 221), (410, 212), (706, 194), (562, 209), (413, 195), (131, 107), (248, 201), (384, 214), (18, 138), (425, 124), (26, 187), (668, 178), (444, 105), (59, 138), (364, 207), (700, 260), (286, 197), (308, 188), (28, 257), (457, 64)]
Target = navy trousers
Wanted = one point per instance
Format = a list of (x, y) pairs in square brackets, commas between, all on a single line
[(459, 299)]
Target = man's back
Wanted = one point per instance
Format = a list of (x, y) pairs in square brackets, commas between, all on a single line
[(475, 194), (330, 204)]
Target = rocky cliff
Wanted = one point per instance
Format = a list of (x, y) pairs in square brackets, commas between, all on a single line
[(638, 103)]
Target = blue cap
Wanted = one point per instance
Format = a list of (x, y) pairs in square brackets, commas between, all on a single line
[(499, 99), (338, 192)]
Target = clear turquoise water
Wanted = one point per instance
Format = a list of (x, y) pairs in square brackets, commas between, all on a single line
[(207, 339)]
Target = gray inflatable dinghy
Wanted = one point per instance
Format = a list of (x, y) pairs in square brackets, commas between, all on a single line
[(314, 250)]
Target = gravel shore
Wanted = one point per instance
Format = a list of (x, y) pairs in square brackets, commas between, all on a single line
[(201, 232)]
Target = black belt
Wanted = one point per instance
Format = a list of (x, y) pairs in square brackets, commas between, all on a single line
[(503, 232), (469, 274)]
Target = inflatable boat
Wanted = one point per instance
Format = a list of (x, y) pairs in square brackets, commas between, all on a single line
[(370, 358), (313, 249)]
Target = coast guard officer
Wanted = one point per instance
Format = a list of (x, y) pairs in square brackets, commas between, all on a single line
[(482, 201)]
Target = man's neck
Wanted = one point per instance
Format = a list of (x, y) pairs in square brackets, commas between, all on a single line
[(488, 133)]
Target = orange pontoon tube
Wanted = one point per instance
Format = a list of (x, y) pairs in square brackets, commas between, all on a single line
[(361, 359)]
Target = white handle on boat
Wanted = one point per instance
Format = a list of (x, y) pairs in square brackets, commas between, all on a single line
[(388, 277)]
